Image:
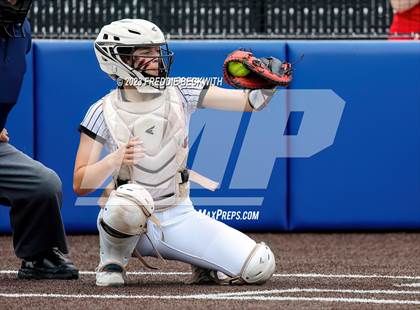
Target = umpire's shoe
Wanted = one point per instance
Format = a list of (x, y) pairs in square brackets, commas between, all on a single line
[(51, 264)]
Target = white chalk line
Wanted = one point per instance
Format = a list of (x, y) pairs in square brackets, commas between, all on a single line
[(250, 295), (141, 273), (416, 284), (284, 275), (348, 276), (220, 297), (319, 290)]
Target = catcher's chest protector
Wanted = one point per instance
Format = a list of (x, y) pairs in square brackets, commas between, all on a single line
[(161, 126)]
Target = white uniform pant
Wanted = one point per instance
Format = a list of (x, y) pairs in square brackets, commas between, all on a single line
[(197, 239)]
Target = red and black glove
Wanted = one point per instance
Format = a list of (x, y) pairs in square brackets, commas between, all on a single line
[(267, 72)]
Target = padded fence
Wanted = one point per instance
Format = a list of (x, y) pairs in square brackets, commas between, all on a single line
[(366, 177), (370, 177)]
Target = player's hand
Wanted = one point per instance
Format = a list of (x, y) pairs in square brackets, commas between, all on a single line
[(4, 136), (128, 154)]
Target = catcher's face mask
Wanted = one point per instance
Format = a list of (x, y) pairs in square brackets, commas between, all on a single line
[(12, 17), (150, 61)]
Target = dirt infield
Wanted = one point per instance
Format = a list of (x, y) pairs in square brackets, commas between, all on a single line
[(314, 271)]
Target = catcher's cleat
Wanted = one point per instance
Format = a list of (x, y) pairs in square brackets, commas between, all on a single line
[(206, 276), (111, 275), (51, 264), (199, 276)]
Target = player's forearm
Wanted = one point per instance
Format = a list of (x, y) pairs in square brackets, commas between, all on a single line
[(403, 5), (91, 177), (226, 99), (237, 100)]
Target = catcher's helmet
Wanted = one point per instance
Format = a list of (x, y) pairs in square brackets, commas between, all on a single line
[(118, 41)]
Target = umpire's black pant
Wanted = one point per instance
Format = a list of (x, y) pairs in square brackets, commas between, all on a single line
[(33, 192)]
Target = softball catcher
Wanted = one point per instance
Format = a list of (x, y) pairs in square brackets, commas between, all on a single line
[(147, 210)]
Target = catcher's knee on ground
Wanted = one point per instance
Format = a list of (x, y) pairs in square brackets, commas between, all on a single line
[(257, 269), (120, 225), (260, 265)]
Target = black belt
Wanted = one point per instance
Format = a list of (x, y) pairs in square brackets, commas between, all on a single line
[(185, 176)]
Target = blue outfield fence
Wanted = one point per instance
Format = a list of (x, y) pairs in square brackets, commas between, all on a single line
[(339, 150)]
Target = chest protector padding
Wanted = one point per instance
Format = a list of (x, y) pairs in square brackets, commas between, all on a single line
[(160, 124)]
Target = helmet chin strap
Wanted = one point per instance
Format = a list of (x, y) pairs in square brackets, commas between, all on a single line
[(149, 89), (146, 89)]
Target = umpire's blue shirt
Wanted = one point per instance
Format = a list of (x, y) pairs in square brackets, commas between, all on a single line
[(12, 69)]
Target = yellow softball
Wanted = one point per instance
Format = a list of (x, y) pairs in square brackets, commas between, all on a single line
[(237, 69)]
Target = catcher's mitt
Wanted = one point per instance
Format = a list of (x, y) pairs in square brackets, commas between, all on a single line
[(266, 72)]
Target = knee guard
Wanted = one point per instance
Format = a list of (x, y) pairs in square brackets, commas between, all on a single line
[(260, 265), (257, 269), (121, 223)]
